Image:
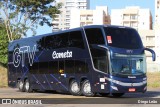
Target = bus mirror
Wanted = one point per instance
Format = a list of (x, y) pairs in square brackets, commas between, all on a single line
[(153, 53)]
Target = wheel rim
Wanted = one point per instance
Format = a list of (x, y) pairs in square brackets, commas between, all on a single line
[(87, 88), (75, 88), (27, 86), (20, 85)]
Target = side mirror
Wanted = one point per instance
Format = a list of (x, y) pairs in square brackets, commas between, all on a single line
[(153, 53)]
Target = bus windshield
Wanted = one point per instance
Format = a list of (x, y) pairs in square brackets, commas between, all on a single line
[(123, 38), (128, 65)]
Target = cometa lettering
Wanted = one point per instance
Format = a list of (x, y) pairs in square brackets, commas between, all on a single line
[(67, 54)]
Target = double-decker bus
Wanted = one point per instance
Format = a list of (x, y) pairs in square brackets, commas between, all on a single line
[(89, 60)]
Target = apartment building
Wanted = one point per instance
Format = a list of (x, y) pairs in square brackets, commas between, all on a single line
[(98, 16), (132, 16), (157, 29), (62, 22)]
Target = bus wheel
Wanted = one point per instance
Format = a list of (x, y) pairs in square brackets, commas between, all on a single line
[(27, 86), (20, 85), (75, 88), (86, 89), (117, 94)]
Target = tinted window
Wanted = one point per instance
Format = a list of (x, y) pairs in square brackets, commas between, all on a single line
[(43, 67), (41, 44), (123, 38), (81, 67), (53, 42), (53, 67), (75, 39), (34, 69), (61, 67), (69, 66), (64, 40), (95, 36), (100, 59)]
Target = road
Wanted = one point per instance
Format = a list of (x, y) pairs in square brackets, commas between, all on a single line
[(70, 100)]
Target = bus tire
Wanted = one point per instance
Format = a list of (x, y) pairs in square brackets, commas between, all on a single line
[(27, 86), (75, 88), (86, 89), (117, 94), (20, 85)]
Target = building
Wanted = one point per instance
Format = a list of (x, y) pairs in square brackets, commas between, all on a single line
[(89, 17), (157, 29), (62, 22), (148, 39), (132, 16)]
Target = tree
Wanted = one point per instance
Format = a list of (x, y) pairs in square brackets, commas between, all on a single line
[(3, 44), (22, 15)]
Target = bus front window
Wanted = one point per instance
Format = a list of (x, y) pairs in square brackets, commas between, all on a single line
[(126, 38), (128, 66)]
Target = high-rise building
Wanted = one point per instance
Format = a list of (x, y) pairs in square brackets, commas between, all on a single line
[(157, 29), (132, 16), (98, 16), (157, 11), (62, 22), (148, 39)]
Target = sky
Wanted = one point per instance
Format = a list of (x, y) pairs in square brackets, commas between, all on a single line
[(112, 4)]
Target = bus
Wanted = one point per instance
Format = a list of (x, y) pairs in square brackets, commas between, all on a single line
[(89, 60)]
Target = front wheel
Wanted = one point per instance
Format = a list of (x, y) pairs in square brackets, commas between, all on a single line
[(117, 94), (86, 89)]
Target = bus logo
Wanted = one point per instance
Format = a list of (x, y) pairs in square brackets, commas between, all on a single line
[(19, 55), (67, 54)]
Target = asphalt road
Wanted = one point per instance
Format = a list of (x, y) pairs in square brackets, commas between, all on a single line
[(70, 101)]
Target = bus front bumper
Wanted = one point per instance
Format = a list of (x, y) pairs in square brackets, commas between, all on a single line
[(115, 88)]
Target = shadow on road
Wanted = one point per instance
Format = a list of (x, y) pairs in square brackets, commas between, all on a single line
[(148, 94)]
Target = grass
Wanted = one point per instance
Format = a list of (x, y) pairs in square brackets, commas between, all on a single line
[(3, 77), (153, 78)]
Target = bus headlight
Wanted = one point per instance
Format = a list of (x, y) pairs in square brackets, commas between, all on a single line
[(114, 87)]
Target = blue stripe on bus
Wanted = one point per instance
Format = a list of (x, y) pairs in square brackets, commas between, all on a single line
[(36, 59), (25, 72), (48, 81), (59, 81), (38, 81)]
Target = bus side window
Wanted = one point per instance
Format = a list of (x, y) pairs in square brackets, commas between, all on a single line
[(76, 39), (34, 69), (41, 44), (63, 39), (95, 36), (61, 67), (100, 59), (53, 67), (43, 67), (81, 66), (69, 66)]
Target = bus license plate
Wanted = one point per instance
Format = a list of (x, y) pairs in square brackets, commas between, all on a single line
[(132, 89)]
